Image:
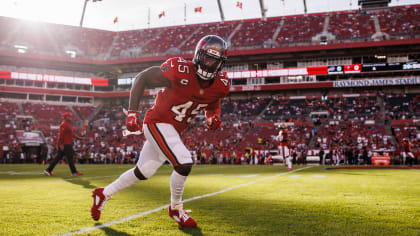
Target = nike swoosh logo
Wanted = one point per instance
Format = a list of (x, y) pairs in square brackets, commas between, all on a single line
[(176, 218), (97, 200)]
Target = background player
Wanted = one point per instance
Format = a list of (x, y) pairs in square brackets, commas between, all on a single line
[(65, 146), (407, 154), (189, 88), (283, 137)]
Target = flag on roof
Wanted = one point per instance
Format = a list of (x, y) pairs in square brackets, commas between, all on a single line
[(198, 9), (116, 19), (239, 4), (161, 14)]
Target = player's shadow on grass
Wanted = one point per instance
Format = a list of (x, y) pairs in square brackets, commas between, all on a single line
[(192, 231), (113, 232), (80, 181)]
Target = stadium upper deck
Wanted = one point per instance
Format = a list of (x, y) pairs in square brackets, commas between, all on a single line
[(333, 27)]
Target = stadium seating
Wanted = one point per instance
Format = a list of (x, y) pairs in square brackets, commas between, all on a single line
[(285, 109), (353, 135), (45, 114), (90, 42), (402, 106), (84, 111), (134, 39), (351, 26), (400, 21), (254, 33), (363, 108), (8, 112), (169, 38), (298, 29), (221, 29), (406, 130), (243, 109), (54, 40)]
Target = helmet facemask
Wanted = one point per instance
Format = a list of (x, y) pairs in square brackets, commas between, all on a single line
[(208, 65)]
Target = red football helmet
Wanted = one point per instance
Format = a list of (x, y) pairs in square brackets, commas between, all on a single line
[(210, 56)]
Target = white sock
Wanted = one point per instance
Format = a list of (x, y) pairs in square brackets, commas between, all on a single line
[(289, 163), (177, 188), (127, 179)]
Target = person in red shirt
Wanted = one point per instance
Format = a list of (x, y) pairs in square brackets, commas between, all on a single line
[(65, 146), (188, 88), (407, 154)]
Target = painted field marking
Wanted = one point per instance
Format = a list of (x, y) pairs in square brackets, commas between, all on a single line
[(248, 176), (21, 173), (295, 176)]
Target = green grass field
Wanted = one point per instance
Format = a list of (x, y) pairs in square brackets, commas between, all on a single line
[(247, 200)]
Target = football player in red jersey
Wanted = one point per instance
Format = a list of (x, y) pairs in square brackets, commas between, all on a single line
[(407, 154), (189, 86), (283, 137)]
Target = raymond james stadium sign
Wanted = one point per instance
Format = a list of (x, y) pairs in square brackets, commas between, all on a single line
[(376, 82)]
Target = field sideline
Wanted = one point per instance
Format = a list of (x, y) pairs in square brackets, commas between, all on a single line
[(225, 200)]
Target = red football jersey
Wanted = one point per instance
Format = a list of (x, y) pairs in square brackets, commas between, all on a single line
[(182, 101), (284, 138), (407, 146)]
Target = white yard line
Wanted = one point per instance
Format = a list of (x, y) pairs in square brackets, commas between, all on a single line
[(84, 230)]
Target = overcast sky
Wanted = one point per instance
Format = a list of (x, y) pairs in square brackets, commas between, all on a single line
[(133, 14)]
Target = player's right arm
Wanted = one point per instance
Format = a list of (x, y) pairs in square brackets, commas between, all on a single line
[(151, 77)]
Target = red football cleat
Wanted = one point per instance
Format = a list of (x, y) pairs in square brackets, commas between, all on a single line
[(99, 200), (77, 174), (46, 172), (291, 169), (182, 217)]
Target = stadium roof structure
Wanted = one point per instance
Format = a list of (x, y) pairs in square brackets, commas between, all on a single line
[(282, 49)]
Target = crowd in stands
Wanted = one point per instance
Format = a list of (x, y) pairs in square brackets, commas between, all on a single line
[(353, 127), (284, 108), (255, 33), (402, 106), (400, 21), (55, 40), (351, 25), (300, 28), (134, 40), (167, 39), (45, 114), (353, 135), (243, 109)]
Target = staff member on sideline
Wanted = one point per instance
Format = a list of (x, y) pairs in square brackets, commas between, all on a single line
[(65, 146)]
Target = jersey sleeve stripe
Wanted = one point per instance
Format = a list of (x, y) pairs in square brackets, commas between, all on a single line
[(157, 136)]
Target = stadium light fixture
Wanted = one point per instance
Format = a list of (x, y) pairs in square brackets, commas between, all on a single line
[(84, 9), (71, 53), (21, 48)]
